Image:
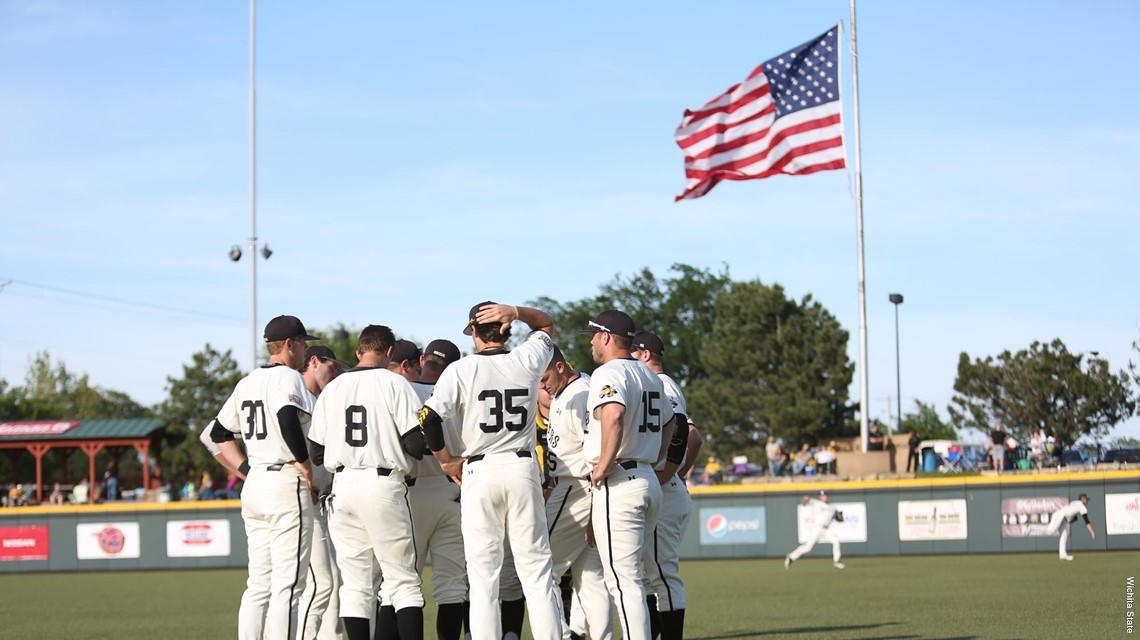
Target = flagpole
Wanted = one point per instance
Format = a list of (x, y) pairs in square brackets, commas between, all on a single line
[(863, 392), (252, 184)]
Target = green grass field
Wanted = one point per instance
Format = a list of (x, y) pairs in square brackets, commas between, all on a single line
[(980, 596)]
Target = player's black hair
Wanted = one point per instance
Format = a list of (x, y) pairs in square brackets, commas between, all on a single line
[(492, 332), (375, 338)]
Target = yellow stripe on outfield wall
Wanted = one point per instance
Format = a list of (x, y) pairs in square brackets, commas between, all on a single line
[(912, 483)]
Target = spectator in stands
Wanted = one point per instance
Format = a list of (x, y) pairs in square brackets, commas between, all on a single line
[(825, 459), (15, 493), (772, 451), (875, 438), (997, 447), (110, 484), (779, 466), (206, 487), (712, 471), (231, 486), (56, 496), (189, 490), (912, 451), (81, 493), (803, 460)]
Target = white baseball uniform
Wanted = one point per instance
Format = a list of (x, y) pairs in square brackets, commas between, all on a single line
[(435, 518), (822, 514), (359, 420), (625, 507), (1063, 519), (319, 616), (662, 556), (275, 505), (494, 396), (568, 507)]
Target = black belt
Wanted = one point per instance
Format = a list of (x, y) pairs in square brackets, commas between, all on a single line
[(380, 471), (411, 482), (275, 467), (479, 456), (628, 464)]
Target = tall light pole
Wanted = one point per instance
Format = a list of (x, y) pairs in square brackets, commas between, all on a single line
[(235, 251), (897, 299)]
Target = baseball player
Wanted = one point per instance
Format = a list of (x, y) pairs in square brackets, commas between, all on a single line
[(630, 426), (405, 360), (1066, 516), (319, 619), (822, 515), (492, 396), (662, 557), (568, 507), (435, 510), (266, 409), (366, 431)]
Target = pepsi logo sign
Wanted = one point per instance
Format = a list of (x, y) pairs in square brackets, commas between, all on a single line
[(717, 525)]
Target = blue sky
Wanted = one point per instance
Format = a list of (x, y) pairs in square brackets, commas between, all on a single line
[(414, 160)]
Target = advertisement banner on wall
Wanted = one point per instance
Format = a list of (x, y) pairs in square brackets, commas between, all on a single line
[(734, 525), (932, 519), (24, 543), (1028, 517), (105, 540), (197, 538), (852, 529), (1122, 513)]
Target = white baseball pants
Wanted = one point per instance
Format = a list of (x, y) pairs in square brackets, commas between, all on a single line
[(436, 521), (624, 510), (663, 550), (321, 603), (278, 513), (568, 512), (502, 498), (821, 533)]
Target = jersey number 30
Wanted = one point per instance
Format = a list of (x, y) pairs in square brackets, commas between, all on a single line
[(254, 420), (500, 402)]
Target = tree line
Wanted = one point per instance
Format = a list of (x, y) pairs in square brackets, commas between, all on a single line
[(754, 362)]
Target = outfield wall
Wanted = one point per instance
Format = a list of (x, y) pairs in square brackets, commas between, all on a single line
[(972, 514), (888, 517)]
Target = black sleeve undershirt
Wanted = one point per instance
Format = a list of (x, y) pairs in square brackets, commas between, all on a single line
[(680, 442), (433, 429), (220, 434), (316, 453), (1086, 516), (291, 432)]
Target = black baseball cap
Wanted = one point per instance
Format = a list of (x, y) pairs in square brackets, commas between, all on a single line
[(285, 327), (405, 350), (324, 353), (445, 349), (648, 341), (471, 316), (615, 322)]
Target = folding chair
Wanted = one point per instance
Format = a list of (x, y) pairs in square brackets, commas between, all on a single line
[(952, 461)]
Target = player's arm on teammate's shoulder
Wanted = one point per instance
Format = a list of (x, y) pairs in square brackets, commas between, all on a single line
[(692, 450), (505, 314)]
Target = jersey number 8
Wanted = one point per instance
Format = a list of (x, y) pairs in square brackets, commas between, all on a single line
[(356, 426), (504, 400)]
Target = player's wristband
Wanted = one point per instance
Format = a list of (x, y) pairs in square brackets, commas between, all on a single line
[(244, 468)]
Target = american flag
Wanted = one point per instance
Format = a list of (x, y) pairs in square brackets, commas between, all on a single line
[(785, 118)]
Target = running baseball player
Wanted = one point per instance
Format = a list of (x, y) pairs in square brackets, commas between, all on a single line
[(266, 410), (822, 515), (568, 507), (492, 396), (630, 426), (662, 557), (366, 431), (1063, 519), (320, 618)]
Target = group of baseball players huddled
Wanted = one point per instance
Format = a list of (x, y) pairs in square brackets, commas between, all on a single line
[(353, 476)]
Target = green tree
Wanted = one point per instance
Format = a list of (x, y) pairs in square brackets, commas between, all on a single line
[(678, 308), (926, 421), (193, 400), (51, 392), (775, 368), (1044, 386)]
